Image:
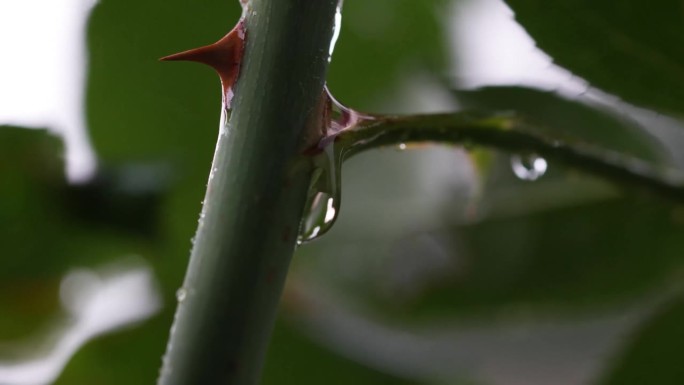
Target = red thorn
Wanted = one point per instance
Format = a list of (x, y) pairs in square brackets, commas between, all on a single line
[(224, 56)]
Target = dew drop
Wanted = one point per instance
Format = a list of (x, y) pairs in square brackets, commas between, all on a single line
[(401, 146), (528, 167), (321, 214), (181, 294), (323, 205)]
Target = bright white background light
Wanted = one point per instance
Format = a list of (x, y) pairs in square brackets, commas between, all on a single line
[(43, 72)]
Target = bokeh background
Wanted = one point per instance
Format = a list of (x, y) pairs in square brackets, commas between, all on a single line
[(448, 265)]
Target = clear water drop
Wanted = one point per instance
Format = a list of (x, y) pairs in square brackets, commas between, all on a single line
[(402, 146), (181, 294), (323, 205), (528, 167), (321, 214)]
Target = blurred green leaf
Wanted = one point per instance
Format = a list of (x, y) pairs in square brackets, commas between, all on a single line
[(108, 360), (564, 118), (586, 256), (294, 359), (654, 354), (43, 233), (382, 42), (631, 49)]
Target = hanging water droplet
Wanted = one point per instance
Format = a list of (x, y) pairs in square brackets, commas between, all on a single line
[(321, 213), (324, 197), (323, 205), (528, 167), (181, 294)]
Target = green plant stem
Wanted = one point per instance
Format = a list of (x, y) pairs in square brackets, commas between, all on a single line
[(513, 135), (254, 201)]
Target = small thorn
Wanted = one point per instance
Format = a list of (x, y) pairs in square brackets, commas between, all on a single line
[(224, 56)]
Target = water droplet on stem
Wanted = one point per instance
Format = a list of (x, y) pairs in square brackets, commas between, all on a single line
[(181, 294), (323, 205), (528, 167)]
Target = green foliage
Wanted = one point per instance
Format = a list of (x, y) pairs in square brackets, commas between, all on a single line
[(572, 120), (652, 354), (630, 49), (567, 244), (411, 39)]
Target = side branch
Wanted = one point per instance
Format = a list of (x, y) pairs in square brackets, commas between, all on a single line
[(510, 134)]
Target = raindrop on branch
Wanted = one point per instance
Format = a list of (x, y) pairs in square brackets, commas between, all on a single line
[(528, 167)]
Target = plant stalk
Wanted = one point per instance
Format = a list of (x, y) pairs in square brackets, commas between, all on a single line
[(255, 198)]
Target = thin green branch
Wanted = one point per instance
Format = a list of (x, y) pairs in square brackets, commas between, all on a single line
[(508, 133)]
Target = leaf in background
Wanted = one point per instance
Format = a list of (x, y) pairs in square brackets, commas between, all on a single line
[(631, 49), (654, 354), (381, 42), (108, 360), (43, 234), (294, 359), (566, 259), (563, 118), (589, 255)]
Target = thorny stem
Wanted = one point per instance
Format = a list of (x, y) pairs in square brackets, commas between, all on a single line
[(255, 198)]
